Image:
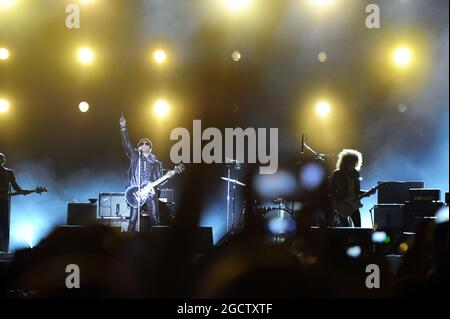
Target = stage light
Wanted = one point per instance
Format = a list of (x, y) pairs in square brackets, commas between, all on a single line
[(322, 3), (84, 107), (4, 54), (160, 56), (26, 233), (161, 108), (7, 3), (237, 5), (4, 106), (85, 55), (323, 108), (236, 56), (322, 57), (402, 57)]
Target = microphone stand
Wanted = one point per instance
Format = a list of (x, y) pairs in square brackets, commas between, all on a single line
[(139, 197), (232, 165), (319, 156)]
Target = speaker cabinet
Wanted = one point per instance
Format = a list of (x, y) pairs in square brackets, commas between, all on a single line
[(389, 215), (81, 214), (112, 205)]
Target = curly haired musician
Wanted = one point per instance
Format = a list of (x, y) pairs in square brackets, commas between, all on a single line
[(345, 185), (150, 170)]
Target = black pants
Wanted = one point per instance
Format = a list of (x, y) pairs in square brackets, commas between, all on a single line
[(4, 225), (345, 222), (150, 209), (356, 218)]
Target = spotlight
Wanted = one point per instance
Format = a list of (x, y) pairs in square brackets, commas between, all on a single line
[(4, 54), (4, 106), (159, 56), (237, 5), (322, 57), (161, 108), (7, 3), (402, 57), (26, 233), (236, 56), (84, 107), (323, 108), (85, 55), (322, 3)]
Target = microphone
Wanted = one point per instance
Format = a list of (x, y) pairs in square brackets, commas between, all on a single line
[(302, 150), (233, 161)]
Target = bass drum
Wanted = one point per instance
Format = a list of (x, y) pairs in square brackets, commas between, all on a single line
[(280, 223)]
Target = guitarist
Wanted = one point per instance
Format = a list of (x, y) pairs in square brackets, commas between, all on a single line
[(345, 185), (151, 170), (7, 179)]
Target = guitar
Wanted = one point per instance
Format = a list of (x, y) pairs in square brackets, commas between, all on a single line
[(136, 198), (38, 190), (346, 207)]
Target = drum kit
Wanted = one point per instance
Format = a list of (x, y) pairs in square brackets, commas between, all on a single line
[(279, 215)]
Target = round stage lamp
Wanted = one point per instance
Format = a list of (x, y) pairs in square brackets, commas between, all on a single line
[(85, 56), (402, 57), (4, 106), (323, 108), (160, 56), (161, 108), (84, 107), (4, 54)]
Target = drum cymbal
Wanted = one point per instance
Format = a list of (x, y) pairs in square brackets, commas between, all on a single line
[(233, 181)]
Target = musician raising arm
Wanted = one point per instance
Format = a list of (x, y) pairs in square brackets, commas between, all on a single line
[(150, 170)]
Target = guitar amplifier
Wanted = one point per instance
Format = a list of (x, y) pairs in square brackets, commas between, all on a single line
[(389, 215), (112, 205), (424, 194), (81, 214), (167, 195), (396, 192)]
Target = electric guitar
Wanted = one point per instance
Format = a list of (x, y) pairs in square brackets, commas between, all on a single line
[(346, 207), (38, 190), (136, 197)]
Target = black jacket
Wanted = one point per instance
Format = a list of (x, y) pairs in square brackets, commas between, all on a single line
[(7, 179), (133, 155), (340, 184)]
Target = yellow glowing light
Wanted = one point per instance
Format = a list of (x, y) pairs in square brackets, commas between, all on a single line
[(86, 1), (236, 56), (85, 55), (4, 54), (7, 3), (237, 5), (323, 108), (322, 57), (84, 107), (322, 3), (160, 56), (402, 57), (4, 106), (161, 108)]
